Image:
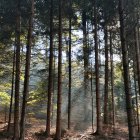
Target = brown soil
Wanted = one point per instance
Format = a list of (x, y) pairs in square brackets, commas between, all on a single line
[(35, 131)]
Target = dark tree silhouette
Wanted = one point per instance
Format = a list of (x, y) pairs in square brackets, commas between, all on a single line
[(17, 76), (50, 82), (59, 98), (126, 73)]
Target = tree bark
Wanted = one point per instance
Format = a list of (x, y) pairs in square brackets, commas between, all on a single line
[(59, 94), (50, 84), (92, 101), (98, 105), (12, 91), (126, 74), (136, 94), (27, 73), (86, 59), (69, 94), (53, 95), (5, 113), (17, 76), (137, 47), (106, 76), (112, 83)]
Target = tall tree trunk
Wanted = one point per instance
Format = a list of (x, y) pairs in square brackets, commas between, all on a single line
[(92, 97), (106, 77), (136, 96), (50, 84), (137, 48), (12, 91), (59, 94), (112, 83), (17, 76), (98, 105), (53, 95), (86, 58), (130, 118), (27, 73), (69, 94)]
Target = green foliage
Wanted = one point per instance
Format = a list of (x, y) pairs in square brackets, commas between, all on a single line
[(119, 86), (37, 96), (4, 99), (5, 86), (118, 72)]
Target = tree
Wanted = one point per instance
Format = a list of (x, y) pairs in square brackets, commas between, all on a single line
[(27, 73), (86, 57), (91, 31), (136, 97), (98, 107), (126, 73), (137, 48), (106, 75), (50, 79), (112, 82), (59, 98), (69, 94), (17, 76), (12, 91)]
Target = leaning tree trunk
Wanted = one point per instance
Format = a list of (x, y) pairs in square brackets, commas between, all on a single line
[(17, 76), (130, 118), (12, 91), (59, 94), (98, 105), (50, 83), (27, 73)]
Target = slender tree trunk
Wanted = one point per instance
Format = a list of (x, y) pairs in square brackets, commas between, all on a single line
[(137, 48), (92, 96), (86, 58), (12, 91), (106, 77), (98, 105), (112, 83), (50, 84), (17, 76), (136, 94), (53, 95), (130, 118), (5, 113), (59, 98), (69, 94), (27, 73)]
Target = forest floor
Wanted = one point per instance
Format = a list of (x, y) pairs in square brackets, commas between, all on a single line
[(35, 131)]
